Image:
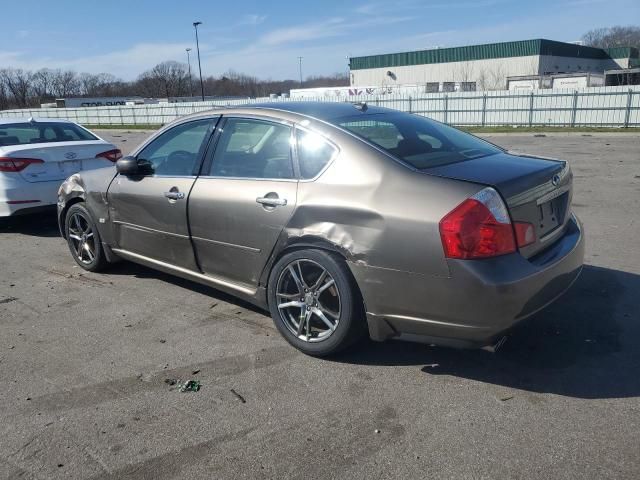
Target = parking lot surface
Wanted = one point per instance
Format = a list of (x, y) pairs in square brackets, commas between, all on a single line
[(85, 360)]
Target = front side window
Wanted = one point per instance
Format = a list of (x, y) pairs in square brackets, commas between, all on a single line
[(249, 148), (42, 132), (175, 152), (418, 141), (314, 153)]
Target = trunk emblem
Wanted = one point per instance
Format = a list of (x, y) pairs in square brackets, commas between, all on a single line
[(555, 180), (70, 155)]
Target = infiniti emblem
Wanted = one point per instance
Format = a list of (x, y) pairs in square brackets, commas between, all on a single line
[(70, 155), (555, 180)]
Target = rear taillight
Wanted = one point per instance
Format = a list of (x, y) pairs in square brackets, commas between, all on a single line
[(8, 164), (479, 227), (111, 155)]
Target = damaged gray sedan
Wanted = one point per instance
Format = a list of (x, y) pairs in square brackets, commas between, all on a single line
[(342, 220)]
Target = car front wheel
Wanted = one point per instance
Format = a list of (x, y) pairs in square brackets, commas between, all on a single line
[(83, 239), (314, 302)]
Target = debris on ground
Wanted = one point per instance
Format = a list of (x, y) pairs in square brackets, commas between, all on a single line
[(213, 305), (377, 431), (238, 396), (170, 381), (195, 372), (8, 300), (189, 386), (506, 398)]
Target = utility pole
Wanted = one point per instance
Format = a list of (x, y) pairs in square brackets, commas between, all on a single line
[(300, 69), (190, 82), (195, 25)]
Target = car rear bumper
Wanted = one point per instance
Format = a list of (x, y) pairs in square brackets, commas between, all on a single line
[(17, 195), (477, 302)]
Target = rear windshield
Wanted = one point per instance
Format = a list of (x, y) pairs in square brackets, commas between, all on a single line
[(418, 141), (41, 132)]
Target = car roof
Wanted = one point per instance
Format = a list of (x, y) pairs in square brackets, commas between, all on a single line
[(325, 111), (6, 120)]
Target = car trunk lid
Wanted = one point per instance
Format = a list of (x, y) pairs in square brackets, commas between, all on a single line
[(536, 190), (59, 160)]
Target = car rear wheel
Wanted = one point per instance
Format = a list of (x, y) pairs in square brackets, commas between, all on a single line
[(314, 302), (83, 239)]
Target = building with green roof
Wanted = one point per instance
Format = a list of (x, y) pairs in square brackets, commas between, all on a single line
[(487, 66)]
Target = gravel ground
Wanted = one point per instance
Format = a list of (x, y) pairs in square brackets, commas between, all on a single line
[(84, 359)]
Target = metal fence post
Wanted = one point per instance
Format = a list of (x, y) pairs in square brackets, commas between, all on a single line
[(531, 109), (627, 113), (446, 108), (574, 108), (484, 109)]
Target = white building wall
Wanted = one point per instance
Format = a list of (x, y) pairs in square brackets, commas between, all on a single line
[(495, 70), (492, 72)]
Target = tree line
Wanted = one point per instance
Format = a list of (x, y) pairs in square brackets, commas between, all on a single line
[(21, 88)]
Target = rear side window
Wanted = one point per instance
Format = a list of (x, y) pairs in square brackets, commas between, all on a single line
[(41, 132), (314, 153)]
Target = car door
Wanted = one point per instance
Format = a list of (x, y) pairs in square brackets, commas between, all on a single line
[(149, 212), (243, 199)]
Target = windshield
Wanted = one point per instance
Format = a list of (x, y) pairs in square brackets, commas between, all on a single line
[(41, 132), (418, 141)]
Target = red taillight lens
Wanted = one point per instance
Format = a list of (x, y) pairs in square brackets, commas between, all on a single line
[(525, 233), (8, 164), (478, 228), (111, 155)]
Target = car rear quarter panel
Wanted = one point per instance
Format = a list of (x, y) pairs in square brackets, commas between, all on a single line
[(375, 211)]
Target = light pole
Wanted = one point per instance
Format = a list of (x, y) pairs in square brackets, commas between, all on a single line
[(195, 25), (190, 82), (300, 69)]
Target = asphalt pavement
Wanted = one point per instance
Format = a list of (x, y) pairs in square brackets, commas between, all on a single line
[(87, 363)]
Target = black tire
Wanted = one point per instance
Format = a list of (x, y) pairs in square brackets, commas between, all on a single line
[(93, 257), (350, 325)]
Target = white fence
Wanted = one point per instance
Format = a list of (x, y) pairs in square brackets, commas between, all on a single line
[(602, 106)]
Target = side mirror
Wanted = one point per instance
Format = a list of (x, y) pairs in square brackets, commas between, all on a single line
[(131, 166), (127, 166)]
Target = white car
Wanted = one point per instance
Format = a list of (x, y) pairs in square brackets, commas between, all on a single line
[(37, 155)]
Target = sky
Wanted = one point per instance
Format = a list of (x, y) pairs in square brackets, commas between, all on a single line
[(265, 38)]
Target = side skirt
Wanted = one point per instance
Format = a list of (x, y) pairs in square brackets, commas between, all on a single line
[(255, 296)]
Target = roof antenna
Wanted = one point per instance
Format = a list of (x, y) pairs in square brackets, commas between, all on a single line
[(362, 106)]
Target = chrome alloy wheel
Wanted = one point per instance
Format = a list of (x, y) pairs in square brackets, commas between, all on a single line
[(82, 238), (308, 300)]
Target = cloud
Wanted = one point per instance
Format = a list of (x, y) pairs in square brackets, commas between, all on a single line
[(310, 31), (126, 64), (252, 19)]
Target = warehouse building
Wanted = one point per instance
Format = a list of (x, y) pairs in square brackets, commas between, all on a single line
[(488, 66)]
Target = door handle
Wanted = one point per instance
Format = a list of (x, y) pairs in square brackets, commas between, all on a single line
[(174, 195), (272, 202)]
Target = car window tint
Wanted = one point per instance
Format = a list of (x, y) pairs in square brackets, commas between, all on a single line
[(314, 153), (419, 141), (175, 152), (253, 149), (41, 132)]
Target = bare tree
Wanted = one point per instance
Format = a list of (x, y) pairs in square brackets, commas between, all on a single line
[(167, 79), (618, 36), (18, 84), (65, 83)]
